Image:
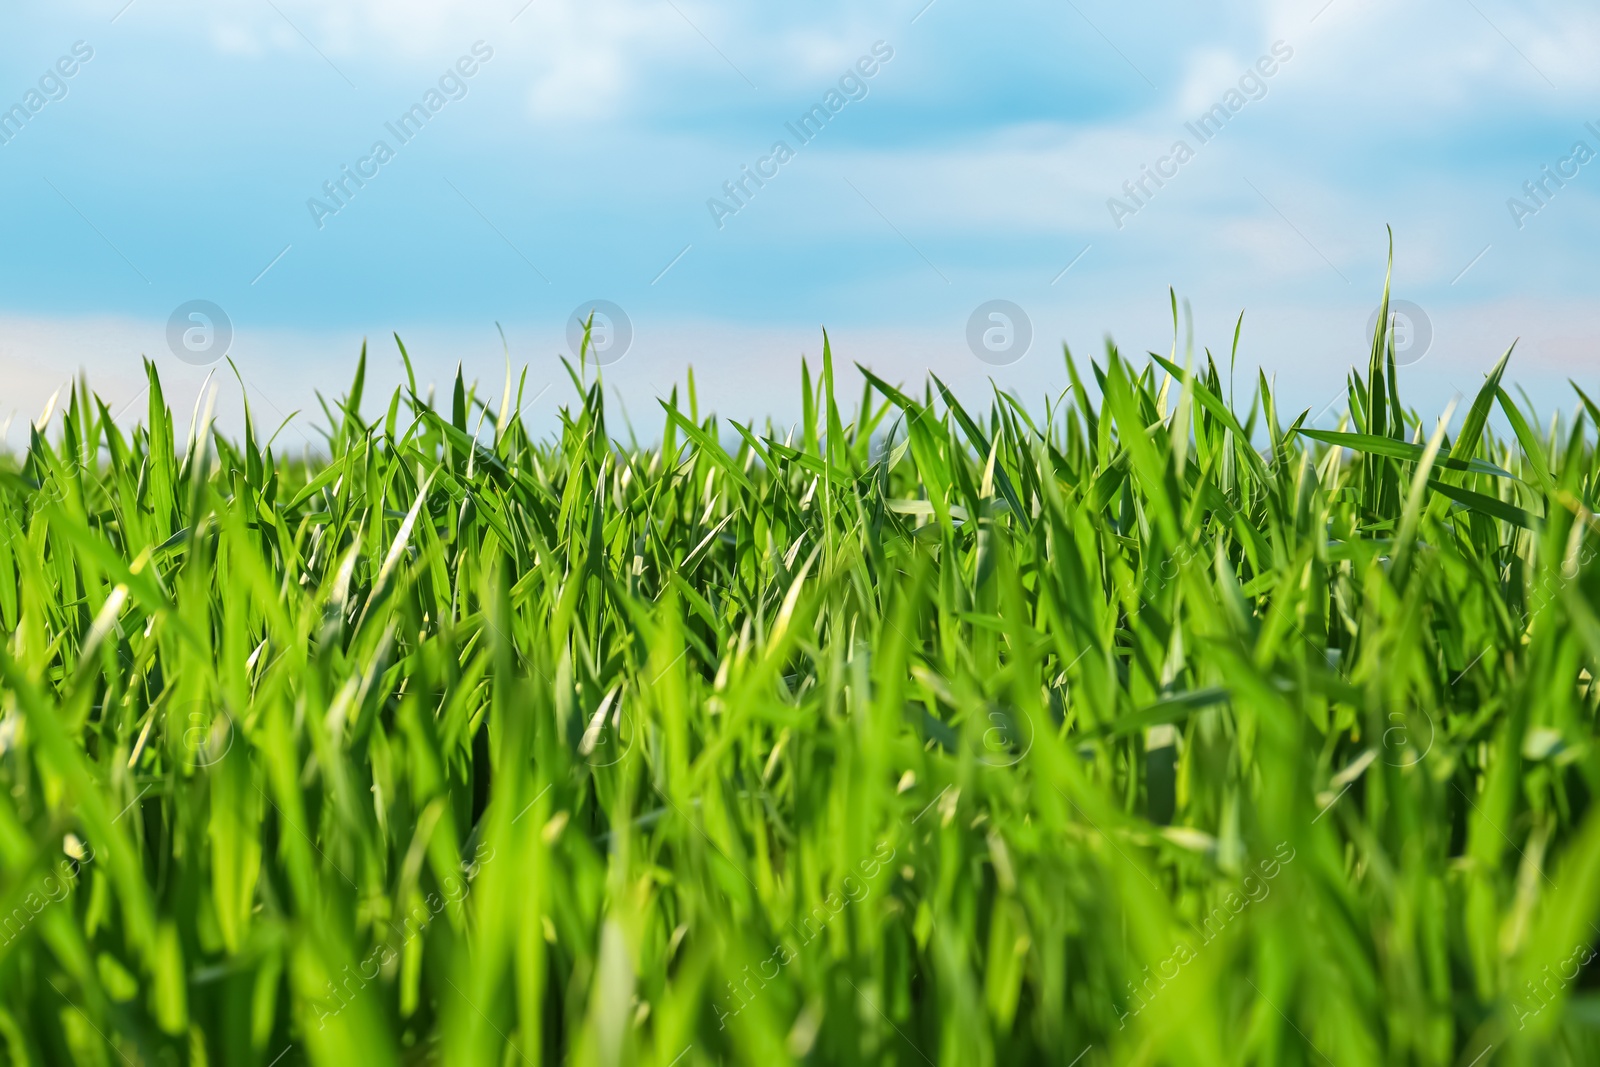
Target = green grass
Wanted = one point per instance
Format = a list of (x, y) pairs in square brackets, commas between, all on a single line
[(1135, 727)]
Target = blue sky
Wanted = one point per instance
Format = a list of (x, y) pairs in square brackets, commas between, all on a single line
[(977, 163)]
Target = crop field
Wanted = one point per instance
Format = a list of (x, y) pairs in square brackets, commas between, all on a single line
[(1140, 724)]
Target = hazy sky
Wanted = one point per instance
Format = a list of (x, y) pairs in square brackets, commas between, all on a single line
[(956, 153)]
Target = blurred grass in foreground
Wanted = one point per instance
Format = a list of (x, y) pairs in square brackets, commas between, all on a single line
[(920, 734)]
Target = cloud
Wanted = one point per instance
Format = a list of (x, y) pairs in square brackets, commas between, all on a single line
[(1366, 52), (1211, 72), (975, 145), (584, 59)]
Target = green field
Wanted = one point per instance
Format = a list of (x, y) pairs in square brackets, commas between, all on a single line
[(1142, 724)]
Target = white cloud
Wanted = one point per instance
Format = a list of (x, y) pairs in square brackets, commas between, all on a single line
[(1212, 71), (1366, 77), (583, 58), (1367, 52)]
